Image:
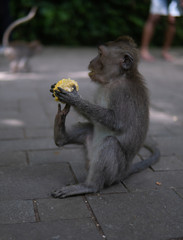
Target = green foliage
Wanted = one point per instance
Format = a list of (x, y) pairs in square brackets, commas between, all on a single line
[(85, 22)]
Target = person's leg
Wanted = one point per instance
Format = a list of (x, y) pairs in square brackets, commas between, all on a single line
[(173, 12), (169, 38), (147, 36)]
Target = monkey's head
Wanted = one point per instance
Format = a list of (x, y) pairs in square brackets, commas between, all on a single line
[(114, 59)]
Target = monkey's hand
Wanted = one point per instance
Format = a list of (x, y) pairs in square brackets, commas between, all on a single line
[(71, 98), (60, 135)]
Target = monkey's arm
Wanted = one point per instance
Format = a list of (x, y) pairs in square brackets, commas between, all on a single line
[(94, 112), (77, 134)]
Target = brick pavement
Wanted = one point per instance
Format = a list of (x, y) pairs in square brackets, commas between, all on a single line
[(31, 166)]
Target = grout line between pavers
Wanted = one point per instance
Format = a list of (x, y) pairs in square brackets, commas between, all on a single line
[(93, 217), (27, 158), (175, 190), (125, 186), (36, 212)]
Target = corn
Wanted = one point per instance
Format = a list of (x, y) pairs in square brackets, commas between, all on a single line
[(67, 84)]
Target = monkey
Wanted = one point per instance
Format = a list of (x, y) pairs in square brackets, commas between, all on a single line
[(19, 53), (117, 122)]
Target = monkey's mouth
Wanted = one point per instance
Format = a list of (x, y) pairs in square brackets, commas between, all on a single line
[(91, 73)]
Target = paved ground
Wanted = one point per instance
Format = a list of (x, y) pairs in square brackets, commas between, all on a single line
[(147, 206)]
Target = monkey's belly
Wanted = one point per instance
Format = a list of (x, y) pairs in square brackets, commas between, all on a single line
[(94, 144)]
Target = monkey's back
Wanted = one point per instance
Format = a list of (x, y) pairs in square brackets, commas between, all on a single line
[(130, 102), (132, 109)]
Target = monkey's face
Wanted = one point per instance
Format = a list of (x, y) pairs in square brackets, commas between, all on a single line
[(102, 67), (96, 66), (113, 60)]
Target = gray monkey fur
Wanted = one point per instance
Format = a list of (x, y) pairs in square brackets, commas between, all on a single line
[(118, 121)]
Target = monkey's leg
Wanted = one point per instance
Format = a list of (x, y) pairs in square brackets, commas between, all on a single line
[(23, 65), (110, 165), (105, 169), (80, 133)]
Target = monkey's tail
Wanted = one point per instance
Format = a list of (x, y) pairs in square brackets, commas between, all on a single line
[(6, 34), (142, 165)]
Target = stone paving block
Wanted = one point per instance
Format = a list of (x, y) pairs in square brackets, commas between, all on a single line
[(116, 188), (170, 145), (150, 180), (33, 181), (20, 89), (17, 211), (75, 156), (144, 153), (8, 105), (158, 130), (58, 155), (39, 132), (160, 114), (26, 144), (76, 229), (11, 133), (35, 118), (136, 159), (167, 163), (148, 215), (57, 209), (144, 180), (13, 159), (176, 130), (11, 119)]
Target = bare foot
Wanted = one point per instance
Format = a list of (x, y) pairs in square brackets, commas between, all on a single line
[(168, 57), (146, 56)]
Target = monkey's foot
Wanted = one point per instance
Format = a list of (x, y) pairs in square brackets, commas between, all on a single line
[(72, 190)]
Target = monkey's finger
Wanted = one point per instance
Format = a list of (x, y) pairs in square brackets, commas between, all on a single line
[(59, 107), (51, 90), (57, 93), (74, 88), (52, 86), (58, 194), (62, 90)]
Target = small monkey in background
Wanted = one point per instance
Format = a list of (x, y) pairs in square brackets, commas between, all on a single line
[(19, 53), (118, 121)]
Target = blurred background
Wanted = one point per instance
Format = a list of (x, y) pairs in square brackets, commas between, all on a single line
[(81, 22)]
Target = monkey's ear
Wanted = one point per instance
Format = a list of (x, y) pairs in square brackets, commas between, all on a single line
[(102, 50), (127, 61)]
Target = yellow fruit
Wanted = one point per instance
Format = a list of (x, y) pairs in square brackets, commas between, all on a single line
[(67, 84)]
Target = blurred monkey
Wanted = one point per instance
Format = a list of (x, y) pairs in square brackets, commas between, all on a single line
[(19, 53)]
